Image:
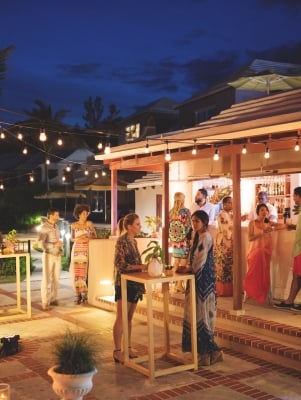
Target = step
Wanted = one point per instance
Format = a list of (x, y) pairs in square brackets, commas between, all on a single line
[(267, 339)]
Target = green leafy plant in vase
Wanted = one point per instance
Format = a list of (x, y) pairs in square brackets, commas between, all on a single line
[(154, 257)]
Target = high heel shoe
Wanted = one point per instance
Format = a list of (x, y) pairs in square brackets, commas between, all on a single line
[(116, 358)]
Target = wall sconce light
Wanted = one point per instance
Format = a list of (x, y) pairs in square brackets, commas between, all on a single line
[(267, 152), (167, 152), (146, 148), (194, 151), (42, 136), (244, 149), (216, 155)]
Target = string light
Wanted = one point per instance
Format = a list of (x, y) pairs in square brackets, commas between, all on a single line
[(96, 175), (68, 168), (297, 147), (2, 135), (1, 186), (86, 172), (63, 178), (60, 142), (107, 149), (244, 149), (99, 146), (103, 173), (194, 151), (47, 161), (42, 136), (146, 148), (25, 151), (31, 178), (267, 152), (167, 152), (216, 155), (20, 136)]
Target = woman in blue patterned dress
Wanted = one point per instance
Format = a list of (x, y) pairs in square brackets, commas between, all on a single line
[(179, 226), (201, 264), (127, 259)]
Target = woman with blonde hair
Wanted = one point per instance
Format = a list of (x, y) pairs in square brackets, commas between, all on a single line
[(179, 227)]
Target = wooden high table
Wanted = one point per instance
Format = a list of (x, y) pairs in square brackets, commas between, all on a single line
[(18, 310), (135, 363)]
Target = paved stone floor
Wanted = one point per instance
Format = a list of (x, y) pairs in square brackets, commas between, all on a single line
[(238, 377)]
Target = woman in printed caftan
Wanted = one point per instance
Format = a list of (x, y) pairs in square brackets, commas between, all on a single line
[(223, 250), (81, 232)]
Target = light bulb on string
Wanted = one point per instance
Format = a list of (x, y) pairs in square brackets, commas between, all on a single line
[(25, 151), (63, 178), (267, 153), (68, 168), (86, 172), (1, 186), (167, 152), (96, 175), (107, 148), (99, 146), (47, 161), (297, 146), (244, 149), (60, 142), (42, 136), (146, 148), (216, 155), (31, 178), (2, 135), (194, 151), (103, 173), (20, 136)]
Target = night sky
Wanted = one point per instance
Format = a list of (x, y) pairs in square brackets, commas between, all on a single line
[(133, 52)]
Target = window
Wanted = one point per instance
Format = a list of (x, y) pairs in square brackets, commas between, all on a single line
[(132, 132)]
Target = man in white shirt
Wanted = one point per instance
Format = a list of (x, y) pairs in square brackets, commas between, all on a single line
[(262, 198), (201, 203)]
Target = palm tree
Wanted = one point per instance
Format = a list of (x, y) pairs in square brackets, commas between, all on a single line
[(3, 55)]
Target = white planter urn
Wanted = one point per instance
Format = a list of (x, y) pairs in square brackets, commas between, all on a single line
[(155, 268), (71, 387)]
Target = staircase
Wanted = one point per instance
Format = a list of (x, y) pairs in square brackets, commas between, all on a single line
[(275, 339)]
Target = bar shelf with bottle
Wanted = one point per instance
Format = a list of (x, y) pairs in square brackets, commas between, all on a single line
[(278, 190)]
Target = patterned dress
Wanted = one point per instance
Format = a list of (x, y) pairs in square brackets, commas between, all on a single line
[(223, 254), (201, 260), (127, 253), (179, 227), (80, 261)]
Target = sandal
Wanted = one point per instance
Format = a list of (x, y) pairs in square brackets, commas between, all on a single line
[(118, 360)]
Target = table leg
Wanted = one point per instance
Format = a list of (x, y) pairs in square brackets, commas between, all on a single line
[(125, 326), (18, 283), (165, 292), (28, 291), (151, 346)]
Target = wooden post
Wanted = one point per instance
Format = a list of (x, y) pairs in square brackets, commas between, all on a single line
[(114, 209), (237, 256), (165, 226)]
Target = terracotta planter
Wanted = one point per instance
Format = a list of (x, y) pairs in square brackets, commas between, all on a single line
[(224, 289), (71, 387)]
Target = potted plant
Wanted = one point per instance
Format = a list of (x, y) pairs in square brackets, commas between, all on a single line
[(75, 365), (10, 241), (154, 257), (152, 223), (168, 270)]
